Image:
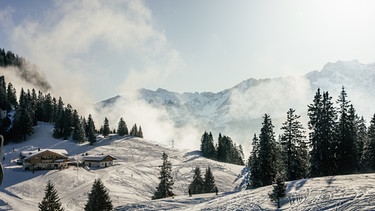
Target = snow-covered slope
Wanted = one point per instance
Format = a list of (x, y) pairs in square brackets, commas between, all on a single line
[(351, 192), (237, 112), (132, 179)]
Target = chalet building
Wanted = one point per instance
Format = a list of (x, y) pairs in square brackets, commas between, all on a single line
[(25, 154), (44, 159), (98, 161)]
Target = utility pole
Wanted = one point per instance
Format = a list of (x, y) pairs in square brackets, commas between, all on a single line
[(172, 143)]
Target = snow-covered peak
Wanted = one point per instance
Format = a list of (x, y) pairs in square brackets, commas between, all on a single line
[(237, 111)]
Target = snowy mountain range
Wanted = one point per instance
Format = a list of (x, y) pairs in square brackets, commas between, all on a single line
[(237, 112)]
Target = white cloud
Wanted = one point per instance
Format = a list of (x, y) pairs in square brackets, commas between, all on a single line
[(86, 47), (89, 45)]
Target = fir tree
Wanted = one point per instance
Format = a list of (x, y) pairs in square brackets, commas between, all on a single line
[(228, 152), (122, 129), (99, 199), (11, 95), (267, 153), (33, 105), (106, 129), (221, 149), (321, 123), (346, 154), (90, 130), (196, 186), (51, 201), (4, 105), (293, 147), (140, 133), (209, 181), (369, 148), (59, 119), (23, 122), (253, 163), (67, 121), (48, 109), (207, 145), (39, 112), (236, 154), (134, 130), (279, 189), (166, 181), (79, 134), (361, 141)]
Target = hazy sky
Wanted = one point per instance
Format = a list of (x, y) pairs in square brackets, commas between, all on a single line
[(106, 48)]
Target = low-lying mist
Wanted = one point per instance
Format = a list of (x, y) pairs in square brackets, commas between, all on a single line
[(156, 123)]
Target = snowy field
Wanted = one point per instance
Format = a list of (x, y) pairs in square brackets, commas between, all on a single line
[(132, 181)]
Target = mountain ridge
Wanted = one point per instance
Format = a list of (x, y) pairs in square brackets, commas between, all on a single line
[(237, 111)]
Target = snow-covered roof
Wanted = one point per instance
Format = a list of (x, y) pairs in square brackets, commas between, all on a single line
[(96, 157), (62, 152), (28, 153)]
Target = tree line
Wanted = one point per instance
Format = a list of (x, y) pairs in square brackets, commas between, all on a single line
[(338, 142), (224, 151), (26, 70), (32, 106)]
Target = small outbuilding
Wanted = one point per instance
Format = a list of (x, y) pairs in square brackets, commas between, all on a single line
[(98, 161)]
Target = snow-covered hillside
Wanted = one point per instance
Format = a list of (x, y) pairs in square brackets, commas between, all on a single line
[(237, 112), (133, 178), (351, 192)]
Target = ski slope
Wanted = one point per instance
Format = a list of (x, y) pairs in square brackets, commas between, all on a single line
[(133, 178)]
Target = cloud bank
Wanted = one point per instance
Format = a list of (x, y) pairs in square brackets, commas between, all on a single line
[(91, 48)]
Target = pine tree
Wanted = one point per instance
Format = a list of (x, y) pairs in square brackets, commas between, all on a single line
[(253, 163), (59, 120), (79, 133), (99, 199), (23, 122), (346, 154), (122, 129), (207, 145), (134, 130), (196, 186), (267, 153), (322, 117), (67, 121), (166, 181), (361, 141), (90, 130), (4, 105), (48, 109), (140, 133), (39, 107), (279, 189), (209, 181), (236, 154), (221, 149), (293, 147), (369, 148), (51, 201), (106, 129), (11, 95), (33, 104)]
